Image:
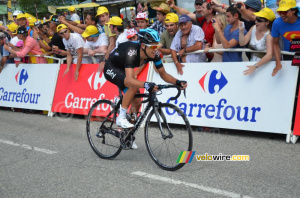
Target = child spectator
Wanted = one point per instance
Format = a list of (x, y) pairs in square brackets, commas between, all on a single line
[(30, 47)]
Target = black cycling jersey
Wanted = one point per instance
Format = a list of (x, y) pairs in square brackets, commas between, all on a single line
[(127, 55)]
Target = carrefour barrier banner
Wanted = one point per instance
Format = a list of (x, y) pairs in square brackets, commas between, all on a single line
[(219, 95), (76, 97), (29, 86)]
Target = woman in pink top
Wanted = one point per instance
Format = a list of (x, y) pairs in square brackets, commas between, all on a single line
[(30, 46)]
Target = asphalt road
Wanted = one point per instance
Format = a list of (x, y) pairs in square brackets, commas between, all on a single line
[(51, 157)]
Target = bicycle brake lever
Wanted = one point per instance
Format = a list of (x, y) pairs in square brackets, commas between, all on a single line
[(184, 93)]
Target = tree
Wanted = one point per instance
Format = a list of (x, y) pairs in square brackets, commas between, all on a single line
[(40, 6)]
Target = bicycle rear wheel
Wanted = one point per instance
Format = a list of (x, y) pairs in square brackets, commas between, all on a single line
[(99, 125), (164, 146)]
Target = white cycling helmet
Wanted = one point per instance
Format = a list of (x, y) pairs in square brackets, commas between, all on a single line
[(16, 12)]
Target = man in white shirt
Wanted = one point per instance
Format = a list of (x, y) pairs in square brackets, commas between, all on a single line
[(116, 27), (95, 42), (74, 45), (74, 16)]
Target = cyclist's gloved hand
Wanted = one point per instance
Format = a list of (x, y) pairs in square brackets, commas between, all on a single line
[(149, 86), (179, 83)]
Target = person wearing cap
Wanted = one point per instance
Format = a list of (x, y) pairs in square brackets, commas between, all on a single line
[(74, 15), (204, 20), (131, 35), (287, 27), (230, 37), (260, 38), (161, 13), (15, 14), (142, 21), (31, 47), (96, 42), (4, 52), (74, 45), (13, 29), (116, 27), (166, 38), (22, 21), (188, 39), (103, 15), (90, 19)]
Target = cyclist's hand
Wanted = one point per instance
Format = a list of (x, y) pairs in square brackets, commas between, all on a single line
[(181, 83), (150, 86), (101, 66)]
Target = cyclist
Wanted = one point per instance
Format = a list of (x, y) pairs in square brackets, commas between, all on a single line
[(119, 70)]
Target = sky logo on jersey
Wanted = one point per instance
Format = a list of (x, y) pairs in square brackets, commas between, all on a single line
[(96, 80), (21, 77), (213, 82)]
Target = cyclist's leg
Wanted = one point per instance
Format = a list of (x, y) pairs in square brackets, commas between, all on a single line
[(117, 76)]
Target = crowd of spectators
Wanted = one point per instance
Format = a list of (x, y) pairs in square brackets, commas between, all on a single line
[(213, 25)]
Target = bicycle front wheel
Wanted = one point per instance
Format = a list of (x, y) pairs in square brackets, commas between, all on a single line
[(99, 125), (165, 141)]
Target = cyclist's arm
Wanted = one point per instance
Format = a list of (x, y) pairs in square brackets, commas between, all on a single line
[(165, 76), (130, 80)]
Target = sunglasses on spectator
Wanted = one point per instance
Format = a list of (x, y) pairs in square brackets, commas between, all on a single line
[(152, 46), (62, 33), (21, 19), (260, 20), (198, 4), (283, 12)]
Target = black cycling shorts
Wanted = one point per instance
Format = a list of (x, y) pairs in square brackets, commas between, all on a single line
[(115, 75)]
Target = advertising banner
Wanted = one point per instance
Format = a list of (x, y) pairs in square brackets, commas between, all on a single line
[(28, 86), (219, 95), (76, 97)]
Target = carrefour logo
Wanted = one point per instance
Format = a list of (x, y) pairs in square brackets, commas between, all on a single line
[(96, 80), (211, 81), (21, 77)]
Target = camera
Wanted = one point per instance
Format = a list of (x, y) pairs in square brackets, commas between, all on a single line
[(38, 24), (239, 5), (134, 23)]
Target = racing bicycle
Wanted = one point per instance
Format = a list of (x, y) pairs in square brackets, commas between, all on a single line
[(164, 139)]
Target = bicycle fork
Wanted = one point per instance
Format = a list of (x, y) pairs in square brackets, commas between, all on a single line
[(159, 113)]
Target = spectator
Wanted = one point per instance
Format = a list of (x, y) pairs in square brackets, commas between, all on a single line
[(132, 13), (116, 27), (188, 39), (74, 45), (286, 25), (139, 8), (168, 35), (161, 13), (230, 37), (142, 21), (90, 19), (74, 15), (131, 34), (30, 47), (222, 23), (15, 14), (260, 39), (96, 42), (14, 43), (103, 15), (4, 52), (204, 19)]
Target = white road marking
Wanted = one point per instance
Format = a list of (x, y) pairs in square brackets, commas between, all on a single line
[(25, 146), (200, 187)]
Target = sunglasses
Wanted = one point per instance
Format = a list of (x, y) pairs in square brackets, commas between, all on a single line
[(21, 19), (260, 20), (152, 46), (62, 33), (283, 12), (198, 4)]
